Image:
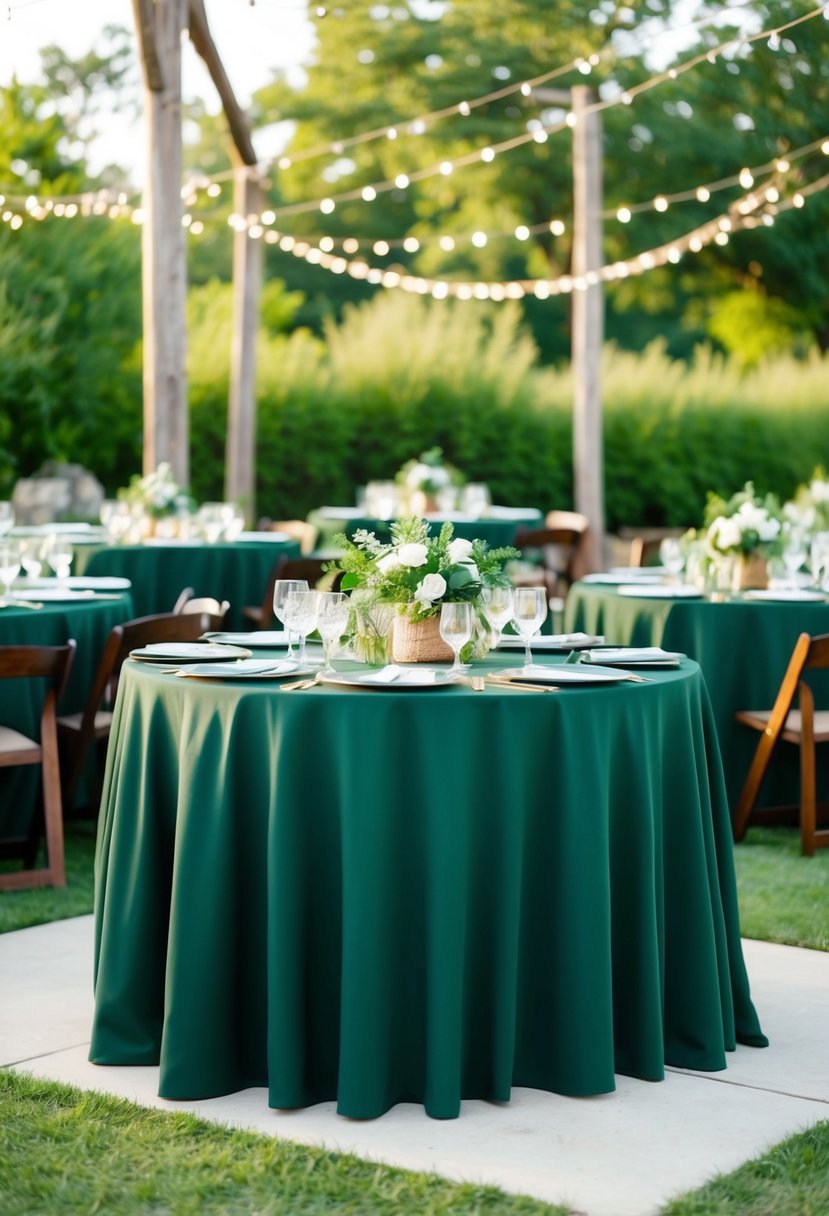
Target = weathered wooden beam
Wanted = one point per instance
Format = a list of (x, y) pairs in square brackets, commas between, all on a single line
[(588, 323), (145, 28), (166, 433), (202, 40)]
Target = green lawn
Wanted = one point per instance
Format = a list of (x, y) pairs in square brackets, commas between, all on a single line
[(19, 909)]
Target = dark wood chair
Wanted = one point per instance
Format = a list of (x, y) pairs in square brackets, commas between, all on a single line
[(309, 568), (556, 552), (79, 733), (50, 663), (804, 727)]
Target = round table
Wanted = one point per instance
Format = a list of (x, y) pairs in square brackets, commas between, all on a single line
[(236, 571), (742, 646), (498, 529), (89, 622), (387, 896)]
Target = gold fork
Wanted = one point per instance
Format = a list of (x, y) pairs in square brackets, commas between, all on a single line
[(300, 684)]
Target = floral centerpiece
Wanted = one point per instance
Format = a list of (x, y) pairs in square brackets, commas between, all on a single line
[(747, 527), (153, 497), (809, 509), (416, 573), (428, 482)]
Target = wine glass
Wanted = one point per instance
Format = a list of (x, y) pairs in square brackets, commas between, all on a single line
[(671, 555), (59, 557), (498, 603), (333, 609), (819, 558), (6, 517), (456, 630), (9, 565), (282, 588), (529, 612), (32, 556), (300, 615), (794, 555)]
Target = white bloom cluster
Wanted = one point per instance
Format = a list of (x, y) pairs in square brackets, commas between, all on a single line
[(421, 474), (727, 533)]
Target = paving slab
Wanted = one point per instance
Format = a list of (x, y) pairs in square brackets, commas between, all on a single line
[(621, 1154)]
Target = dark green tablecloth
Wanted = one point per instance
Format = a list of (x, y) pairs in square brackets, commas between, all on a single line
[(496, 532), (386, 896), (21, 701), (237, 572), (742, 647)]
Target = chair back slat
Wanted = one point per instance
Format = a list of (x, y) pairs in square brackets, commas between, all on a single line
[(818, 651)]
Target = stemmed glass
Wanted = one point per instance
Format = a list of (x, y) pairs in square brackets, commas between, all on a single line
[(333, 609), (529, 612), (671, 555), (6, 517), (300, 614), (59, 557), (794, 554), (282, 588), (498, 603), (9, 566), (456, 629), (32, 556)]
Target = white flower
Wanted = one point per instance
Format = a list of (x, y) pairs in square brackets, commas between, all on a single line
[(473, 571), (725, 532), (388, 563), (417, 474), (819, 491), (768, 529), (459, 550), (430, 588), (412, 555)]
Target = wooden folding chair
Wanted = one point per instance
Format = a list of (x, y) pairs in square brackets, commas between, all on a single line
[(560, 549), (804, 727), (308, 568), (51, 663), (80, 732), (188, 601)]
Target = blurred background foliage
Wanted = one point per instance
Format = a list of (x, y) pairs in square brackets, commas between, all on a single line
[(713, 371)]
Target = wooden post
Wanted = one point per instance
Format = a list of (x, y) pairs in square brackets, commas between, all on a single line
[(240, 484), (160, 24), (587, 323)]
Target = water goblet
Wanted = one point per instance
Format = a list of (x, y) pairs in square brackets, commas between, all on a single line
[(529, 612), (32, 556), (282, 588), (6, 517), (300, 613), (794, 555), (9, 566), (456, 629), (671, 556), (59, 556), (498, 604), (333, 608)]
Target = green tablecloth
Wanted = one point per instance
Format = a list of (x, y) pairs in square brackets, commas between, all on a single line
[(387, 896), (21, 701), (237, 572), (495, 531), (742, 647)]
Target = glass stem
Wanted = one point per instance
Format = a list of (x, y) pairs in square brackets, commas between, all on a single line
[(302, 650), (528, 656)]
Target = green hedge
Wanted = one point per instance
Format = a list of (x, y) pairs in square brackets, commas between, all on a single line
[(402, 374)]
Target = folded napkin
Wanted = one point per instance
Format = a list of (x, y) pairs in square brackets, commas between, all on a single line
[(633, 654), (411, 675)]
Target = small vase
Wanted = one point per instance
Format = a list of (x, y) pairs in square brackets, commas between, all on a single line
[(751, 573), (372, 629), (421, 503), (418, 641)]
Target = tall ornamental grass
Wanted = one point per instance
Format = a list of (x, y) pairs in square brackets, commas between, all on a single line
[(402, 374)]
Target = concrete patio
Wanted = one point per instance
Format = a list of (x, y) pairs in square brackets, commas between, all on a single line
[(623, 1154)]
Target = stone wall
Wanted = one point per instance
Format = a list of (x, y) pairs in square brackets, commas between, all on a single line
[(58, 492)]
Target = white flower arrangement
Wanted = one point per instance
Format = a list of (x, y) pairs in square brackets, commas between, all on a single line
[(745, 524), (158, 493)]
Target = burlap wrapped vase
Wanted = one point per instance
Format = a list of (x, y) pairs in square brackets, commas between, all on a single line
[(751, 573), (418, 641)]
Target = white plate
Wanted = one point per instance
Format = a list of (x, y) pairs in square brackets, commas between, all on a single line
[(265, 537), (553, 641), (650, 591), (633, 656), (55, 595), (407, 677), (188, 652), (564, 673), (259, 639), (246, 669), (103, 582), (614, 577), (785, 595)]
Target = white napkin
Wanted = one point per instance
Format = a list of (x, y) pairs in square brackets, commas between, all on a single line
[(633, 654), (412, 675)]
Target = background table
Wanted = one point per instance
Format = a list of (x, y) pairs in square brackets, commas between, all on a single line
[(237, 572), (89, 623), (743, 648), (497, 529), (386, 896)]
